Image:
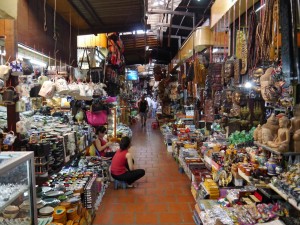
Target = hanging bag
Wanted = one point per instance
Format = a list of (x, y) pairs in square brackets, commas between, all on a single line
[(61, 86), (9, 95), (96, 118), (27, 67), (5, 71), (48, 89)]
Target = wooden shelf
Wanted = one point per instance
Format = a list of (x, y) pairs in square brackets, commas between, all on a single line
[(243, 175), (272, 150), (292, 201)]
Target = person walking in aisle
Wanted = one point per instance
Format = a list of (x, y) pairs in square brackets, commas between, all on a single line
[(122, 168), (154, 107), (149, 100), (143, 110)]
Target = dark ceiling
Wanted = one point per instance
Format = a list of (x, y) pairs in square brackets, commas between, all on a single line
[(103, 16)]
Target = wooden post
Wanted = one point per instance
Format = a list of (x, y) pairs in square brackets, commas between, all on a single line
[(11, 48)]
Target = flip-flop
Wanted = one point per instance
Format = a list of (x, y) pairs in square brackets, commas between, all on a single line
[(131, 185)]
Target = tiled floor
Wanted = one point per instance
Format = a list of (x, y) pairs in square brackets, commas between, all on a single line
[(163, 196)]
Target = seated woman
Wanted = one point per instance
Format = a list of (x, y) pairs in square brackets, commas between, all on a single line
[(122, 165), (101, 144)]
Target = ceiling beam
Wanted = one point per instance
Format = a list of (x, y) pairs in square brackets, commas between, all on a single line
[(165, 11), (173, 26), (117, 28)]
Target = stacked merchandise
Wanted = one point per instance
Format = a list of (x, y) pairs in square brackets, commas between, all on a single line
[(75, 192), (90, 193)]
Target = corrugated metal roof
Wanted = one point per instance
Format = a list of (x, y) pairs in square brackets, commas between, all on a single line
[(111, 16)]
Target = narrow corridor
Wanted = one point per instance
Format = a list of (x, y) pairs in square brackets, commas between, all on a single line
[(163, 196)]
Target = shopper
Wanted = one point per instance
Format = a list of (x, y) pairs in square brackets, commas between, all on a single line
[(154, 107), (143, 109), (101, 144), (149, 100), (122, 168)]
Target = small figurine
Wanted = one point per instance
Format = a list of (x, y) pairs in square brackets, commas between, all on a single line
[(283, 137), (295, 127)]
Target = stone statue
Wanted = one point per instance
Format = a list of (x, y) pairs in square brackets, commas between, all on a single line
[(269, 129), (295, 128), (282, 140)]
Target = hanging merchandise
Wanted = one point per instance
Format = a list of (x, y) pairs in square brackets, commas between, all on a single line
[(96, 75), (115, 50), (252, 23), (241, 47), (228, 72), (48, 89), (20, 106), (96, 118), (9, 95), (16, 68), (9, 138), (5, 71), (81, 72), (267, 29), (61, 86), (274, 47), (27, 67), (215, 72)]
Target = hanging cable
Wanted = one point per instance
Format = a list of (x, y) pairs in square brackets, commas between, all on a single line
[(70, 39), (45, 16), (54, 22)]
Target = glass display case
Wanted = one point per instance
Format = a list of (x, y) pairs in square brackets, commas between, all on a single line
[(17, 185)]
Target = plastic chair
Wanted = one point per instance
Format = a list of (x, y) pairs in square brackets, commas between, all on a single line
[(121, 184)]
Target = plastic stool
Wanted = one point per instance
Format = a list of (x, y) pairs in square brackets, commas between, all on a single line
[(118, 183), (154, 125)]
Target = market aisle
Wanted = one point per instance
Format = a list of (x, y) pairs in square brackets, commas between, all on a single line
[(163, 196)]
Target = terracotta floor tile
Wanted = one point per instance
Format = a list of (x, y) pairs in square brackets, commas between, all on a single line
[(179, 207), (184, 198), (187, 217), (162, 196), (157, 207), (146, 218), (123, 218), (102, 218), (124, 199), (166, 198), (170, 218), (117, 207), (155, 191), (145, 199), (133, 207)]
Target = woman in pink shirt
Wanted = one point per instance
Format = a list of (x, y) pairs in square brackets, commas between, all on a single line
[(122, 168)]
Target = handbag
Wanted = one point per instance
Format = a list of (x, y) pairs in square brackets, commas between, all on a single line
[(96, 118), (16, 68), (48, 89), (4, 72), (27, 67)]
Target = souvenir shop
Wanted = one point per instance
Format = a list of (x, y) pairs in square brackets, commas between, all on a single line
[(230, 115), (49, 111)]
